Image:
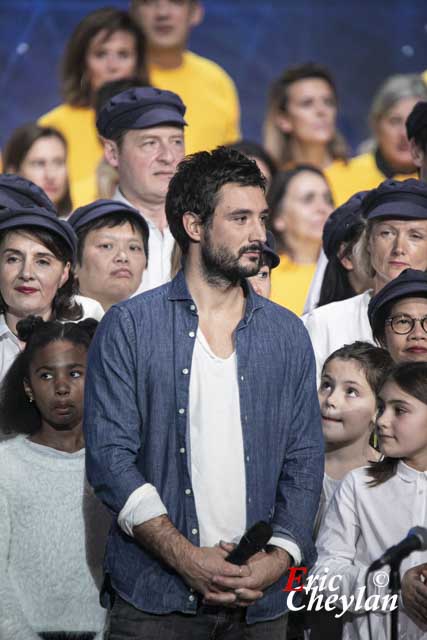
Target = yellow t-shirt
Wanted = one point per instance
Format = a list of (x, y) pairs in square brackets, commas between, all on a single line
[(213, 112), (85, 151), (290, 283), (359, 174)]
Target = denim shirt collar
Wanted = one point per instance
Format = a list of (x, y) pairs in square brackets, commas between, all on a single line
[(179, 292)]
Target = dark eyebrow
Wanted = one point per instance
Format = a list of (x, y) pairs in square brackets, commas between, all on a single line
[(39, 254), (245, 212), (72, 365)]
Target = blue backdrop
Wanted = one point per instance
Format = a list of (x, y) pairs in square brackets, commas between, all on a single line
[(362, 42)]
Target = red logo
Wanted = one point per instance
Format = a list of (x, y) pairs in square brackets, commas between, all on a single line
[(298, 579)]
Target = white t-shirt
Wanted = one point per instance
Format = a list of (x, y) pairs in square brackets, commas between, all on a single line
[(216, 446)]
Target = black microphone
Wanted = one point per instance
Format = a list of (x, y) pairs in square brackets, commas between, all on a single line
[(416, 540), (252, 541)]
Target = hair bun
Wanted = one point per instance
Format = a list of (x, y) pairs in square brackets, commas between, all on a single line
[(26, 327), (89, 325)]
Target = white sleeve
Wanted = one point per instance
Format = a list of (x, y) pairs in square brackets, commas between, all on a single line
[(288, 545), (337, 550), (318, 331), (142, 505), (13, 623)]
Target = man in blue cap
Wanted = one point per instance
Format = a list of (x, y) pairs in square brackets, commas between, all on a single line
[(143, 133)]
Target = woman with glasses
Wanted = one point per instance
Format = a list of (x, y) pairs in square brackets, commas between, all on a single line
[(398, 316)]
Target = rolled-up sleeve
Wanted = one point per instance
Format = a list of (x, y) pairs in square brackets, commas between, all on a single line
[(113, 421)]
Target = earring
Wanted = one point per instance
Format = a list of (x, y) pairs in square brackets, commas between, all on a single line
[(30, 399)]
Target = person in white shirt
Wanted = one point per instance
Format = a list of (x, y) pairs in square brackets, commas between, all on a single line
[(112, 250), (37, 255), (142, 129), (52, 528), (375, 506), (395, 239)]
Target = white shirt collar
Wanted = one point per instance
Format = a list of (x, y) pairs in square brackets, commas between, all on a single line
[(409, 474)]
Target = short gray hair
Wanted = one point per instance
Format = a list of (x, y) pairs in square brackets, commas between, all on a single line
[(395, 88)]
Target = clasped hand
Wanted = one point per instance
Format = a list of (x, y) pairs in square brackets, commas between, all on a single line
[(226, 584)]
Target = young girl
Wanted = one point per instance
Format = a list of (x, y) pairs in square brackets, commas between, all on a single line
[(347, 396), (374, 507), (52, 528)]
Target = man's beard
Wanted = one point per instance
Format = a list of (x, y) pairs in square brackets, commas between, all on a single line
[(220, 266)]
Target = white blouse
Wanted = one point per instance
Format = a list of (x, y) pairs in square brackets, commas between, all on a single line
[(336, 324), (361, 522)]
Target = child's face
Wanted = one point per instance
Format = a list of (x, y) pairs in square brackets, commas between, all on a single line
[(56, 382), (262, 281), (402, 426), (347, 403)]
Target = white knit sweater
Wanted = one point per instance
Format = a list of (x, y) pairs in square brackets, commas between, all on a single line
[(52, 536)]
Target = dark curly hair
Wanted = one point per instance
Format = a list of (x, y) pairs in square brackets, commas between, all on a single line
[(17, 414), (196, 184), (64, 306)]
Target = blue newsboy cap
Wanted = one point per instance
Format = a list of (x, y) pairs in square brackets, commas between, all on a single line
[(140, 108), (20, 192), (100, 208), (38, 218), (341, 221), (406, 200), (409, 283), (269, 250)]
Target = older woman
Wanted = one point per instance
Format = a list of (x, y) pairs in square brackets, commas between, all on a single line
[(391, 154), (300, 202), (398, 316), (37, 254), (40, 154), (395, 239), (340, 272), (106, 45)]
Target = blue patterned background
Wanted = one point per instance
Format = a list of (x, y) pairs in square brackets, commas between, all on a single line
[(361, 42)]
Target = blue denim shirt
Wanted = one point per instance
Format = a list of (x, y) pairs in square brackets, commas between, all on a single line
[(136, 401)]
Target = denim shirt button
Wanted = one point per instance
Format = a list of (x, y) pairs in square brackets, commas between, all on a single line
[(191, 334), (192, 307), (191, 598), (181, 411), (247, 458), (194, 532), (185, 371), (249, 499), (182, 450), (188, 492), (242, 378)]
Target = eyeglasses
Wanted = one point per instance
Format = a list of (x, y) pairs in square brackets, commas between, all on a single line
[(404, 324)]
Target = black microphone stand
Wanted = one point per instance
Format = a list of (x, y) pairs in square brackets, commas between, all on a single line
[(394, 590)]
